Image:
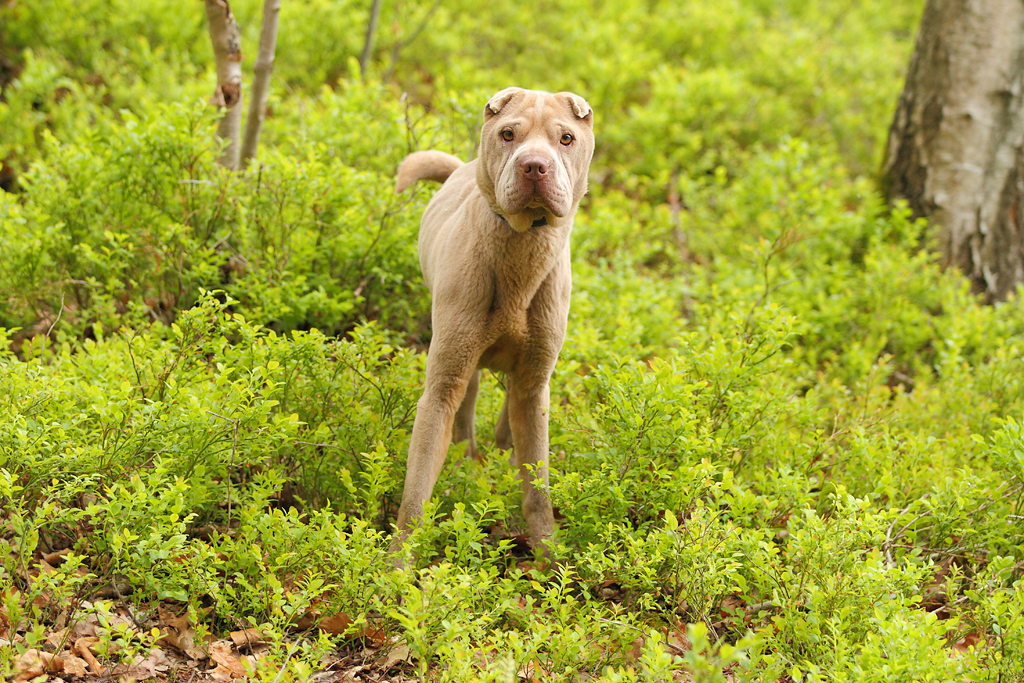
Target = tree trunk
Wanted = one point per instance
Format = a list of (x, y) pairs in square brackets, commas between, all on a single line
[(371, 32), (955, 146), (227, 52), (261, 80)]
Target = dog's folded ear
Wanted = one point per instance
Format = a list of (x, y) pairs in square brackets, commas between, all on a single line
[(499, 100), (580, 107)]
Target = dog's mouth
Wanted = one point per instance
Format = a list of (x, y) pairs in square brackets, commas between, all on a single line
[(536, 202), (535, 197)]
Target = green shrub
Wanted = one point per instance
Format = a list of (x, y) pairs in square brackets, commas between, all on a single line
[(785, 443)]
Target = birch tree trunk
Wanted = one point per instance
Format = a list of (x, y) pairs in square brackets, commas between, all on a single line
[(261, 80), (371, 33), (955, 146), (227, 52)]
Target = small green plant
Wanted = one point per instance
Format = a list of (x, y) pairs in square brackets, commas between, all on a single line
[(776, 418)]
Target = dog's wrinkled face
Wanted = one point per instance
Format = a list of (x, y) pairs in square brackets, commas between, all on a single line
[(535, 149)]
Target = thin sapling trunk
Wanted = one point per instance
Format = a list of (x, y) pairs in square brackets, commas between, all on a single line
[(371, 32), (261, 80)]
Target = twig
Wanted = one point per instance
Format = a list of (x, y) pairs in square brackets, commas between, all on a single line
[(42, 355), (951, 552), (131, 355), (948, 605), (769, 290), (320, 445), (295, 646), (396, 49), (641, 632), (231, 467), (419, 29), (622, 624), (131, 612), (887, 545)]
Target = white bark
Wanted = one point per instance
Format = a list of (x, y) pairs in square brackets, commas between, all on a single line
[(261, 80), (371, 33), (227, 52), (954, 150)]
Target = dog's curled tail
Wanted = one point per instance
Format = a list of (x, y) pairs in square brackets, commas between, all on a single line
[(429, 165)]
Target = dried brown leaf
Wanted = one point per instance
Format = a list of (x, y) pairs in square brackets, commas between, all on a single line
[(965, 644), (152, 666), (75, 666), (635, 650), (532, 672), (57, 558), (223, 654), (82, 649), (336, 623), (178, 633), (677, 642), (36, 663), (399, 653), (376, 637), (731, 605), (221, 674), (57, 638), (247, 638), (350, 675)]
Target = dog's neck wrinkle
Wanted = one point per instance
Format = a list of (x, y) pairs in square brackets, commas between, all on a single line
[(522, 265)]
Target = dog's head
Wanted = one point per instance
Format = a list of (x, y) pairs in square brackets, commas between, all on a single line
[(535, 150)]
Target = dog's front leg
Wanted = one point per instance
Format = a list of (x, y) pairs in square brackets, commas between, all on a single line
[(451, 368), (431, 434), (527, 403)]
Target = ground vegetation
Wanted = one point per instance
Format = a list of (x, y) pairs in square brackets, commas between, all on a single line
[(786, 444)]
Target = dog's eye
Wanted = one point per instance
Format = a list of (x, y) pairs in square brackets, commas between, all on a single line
[(566, 140), (507, 135)]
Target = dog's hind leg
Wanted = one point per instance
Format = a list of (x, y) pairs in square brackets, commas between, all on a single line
[(502, 431), (463, 429)]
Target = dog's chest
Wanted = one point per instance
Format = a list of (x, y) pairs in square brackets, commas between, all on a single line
[(517, 316), (509, 342), (520, 271), (510, 309)]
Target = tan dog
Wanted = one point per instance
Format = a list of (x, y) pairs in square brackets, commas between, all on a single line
[(494, 250)]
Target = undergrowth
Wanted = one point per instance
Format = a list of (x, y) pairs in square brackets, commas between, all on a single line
[(786, 445)]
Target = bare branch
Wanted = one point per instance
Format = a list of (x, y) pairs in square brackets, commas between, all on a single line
[(419, 29), (371, 33), (396, 49), (42, 354)]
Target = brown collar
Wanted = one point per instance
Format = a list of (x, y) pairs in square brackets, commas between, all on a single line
[(543, 220)]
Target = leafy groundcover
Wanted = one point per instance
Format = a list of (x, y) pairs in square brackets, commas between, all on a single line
[(786, 445)]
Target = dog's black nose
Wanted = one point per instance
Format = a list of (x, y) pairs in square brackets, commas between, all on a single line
[(535, 166)]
